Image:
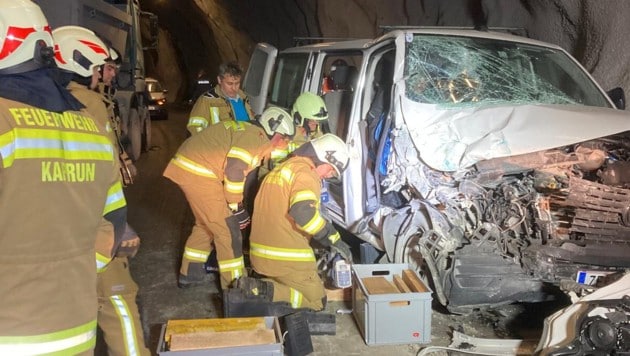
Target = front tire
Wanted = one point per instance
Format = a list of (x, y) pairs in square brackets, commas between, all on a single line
[(146, 133), (135, 135)]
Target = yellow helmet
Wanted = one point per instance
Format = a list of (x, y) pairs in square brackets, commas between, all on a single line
[(309, 106)]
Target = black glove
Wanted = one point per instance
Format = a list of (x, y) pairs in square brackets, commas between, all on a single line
[(242, 216), (342, 249)]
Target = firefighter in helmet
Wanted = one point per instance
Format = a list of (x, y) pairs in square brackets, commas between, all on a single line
[(57, 157), (289, 196), (309, 111), (80, 55), (210, 167)]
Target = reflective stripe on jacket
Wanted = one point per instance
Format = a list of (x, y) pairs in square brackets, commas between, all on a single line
[(226, 152), (213, 107), (62, 165), (289, 197), (64, 342)]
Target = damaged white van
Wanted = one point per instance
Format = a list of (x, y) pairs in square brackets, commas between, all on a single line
[(493, 163)]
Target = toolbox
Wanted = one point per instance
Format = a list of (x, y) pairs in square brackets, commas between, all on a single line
[(391, 304), (221, 336)]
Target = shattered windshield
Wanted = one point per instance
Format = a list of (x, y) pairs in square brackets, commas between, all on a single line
[(464, 71)]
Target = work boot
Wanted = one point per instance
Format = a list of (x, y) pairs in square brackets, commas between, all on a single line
[(196, 277), (255, 288)]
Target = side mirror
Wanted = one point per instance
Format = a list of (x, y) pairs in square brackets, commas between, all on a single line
[(618, 97), (165, 91)]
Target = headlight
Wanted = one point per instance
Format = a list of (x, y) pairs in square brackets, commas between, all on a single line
[(161, 102)]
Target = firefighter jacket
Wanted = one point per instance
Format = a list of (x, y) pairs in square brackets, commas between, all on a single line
[(226, 153), (58, 178), (106, 242), (286, 217), (128, 170), (108, 93), (212, 107)]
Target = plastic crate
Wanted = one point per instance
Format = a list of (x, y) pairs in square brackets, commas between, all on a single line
[(275, 349), (390, 318)]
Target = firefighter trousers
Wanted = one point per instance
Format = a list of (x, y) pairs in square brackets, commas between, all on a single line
[(213, 224), (118, 315), (302, 289)]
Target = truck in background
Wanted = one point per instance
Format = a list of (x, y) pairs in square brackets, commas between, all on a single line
[(118, 22)]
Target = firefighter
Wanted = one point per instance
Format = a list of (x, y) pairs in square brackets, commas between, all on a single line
[(56, 158), (226, 102), (210, 168), (309, 111), (286, 217), (80, 54), (107, 88)]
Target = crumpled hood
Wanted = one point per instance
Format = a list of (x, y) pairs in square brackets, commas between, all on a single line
[(453, 139)]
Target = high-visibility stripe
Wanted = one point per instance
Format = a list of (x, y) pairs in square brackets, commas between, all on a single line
[(66, 342), (102, 262), (315, 224), (280, 177), (115, 198), (303, 195), (296, 298), (196, 255), (234, 187), (287, 175), (21, 143), (192, 167), (278, 154), (235, 266), (214, 115), (198, 122), (241, 154), (235, 125), (282, 254), (126, 324), (334, 237)]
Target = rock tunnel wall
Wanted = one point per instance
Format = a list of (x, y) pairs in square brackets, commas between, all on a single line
[(199, 34)]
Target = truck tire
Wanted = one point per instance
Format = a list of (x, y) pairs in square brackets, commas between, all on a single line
[(135, 135), (146, 133)]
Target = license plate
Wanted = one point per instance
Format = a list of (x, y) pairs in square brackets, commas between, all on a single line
[(590, 277), (153, 107)]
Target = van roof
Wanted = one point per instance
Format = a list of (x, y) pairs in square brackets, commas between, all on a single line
[(360, 44)]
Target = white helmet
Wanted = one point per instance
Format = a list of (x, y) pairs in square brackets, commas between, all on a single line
[(331, 149), (79, 50), (25, 37), (274, 119)]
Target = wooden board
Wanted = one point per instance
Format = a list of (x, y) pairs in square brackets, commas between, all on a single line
[(192, 326), (401, 285), (413, 282), (378, 285), (339, 295), (210, 340)]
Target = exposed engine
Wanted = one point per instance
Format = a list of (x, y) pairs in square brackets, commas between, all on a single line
[(508, 229)]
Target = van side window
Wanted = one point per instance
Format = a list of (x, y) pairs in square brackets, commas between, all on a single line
[(338, 85), (289, 76)]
